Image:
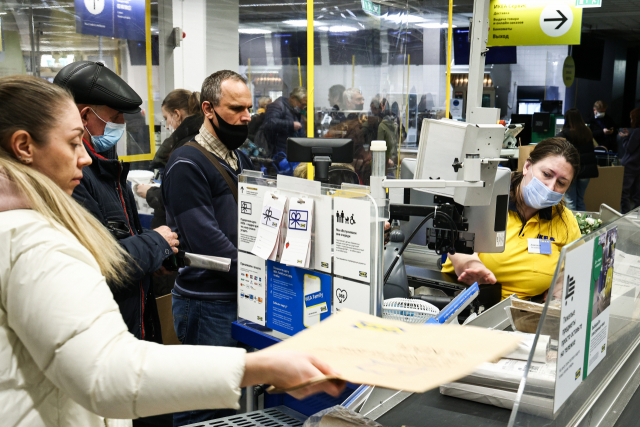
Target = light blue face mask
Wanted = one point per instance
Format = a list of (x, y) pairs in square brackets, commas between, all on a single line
[(538, 196), (112, 134)]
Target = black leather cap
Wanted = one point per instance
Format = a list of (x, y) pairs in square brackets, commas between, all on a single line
[(93, 83)]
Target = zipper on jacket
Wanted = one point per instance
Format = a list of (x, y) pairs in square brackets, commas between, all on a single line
[(124, 207)]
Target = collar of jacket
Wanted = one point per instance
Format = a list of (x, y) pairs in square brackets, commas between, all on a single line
[(545, 213), (189, 127), (107, 168)]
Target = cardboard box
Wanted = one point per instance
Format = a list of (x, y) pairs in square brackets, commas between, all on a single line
[(607, 188), (165, 313)]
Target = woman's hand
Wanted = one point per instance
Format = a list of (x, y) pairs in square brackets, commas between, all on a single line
[(624, 132), (476, 271), (470, 269), (141, 190), (287, 369)]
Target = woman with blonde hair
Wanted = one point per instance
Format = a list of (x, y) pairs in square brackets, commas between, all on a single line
[(67, 357)]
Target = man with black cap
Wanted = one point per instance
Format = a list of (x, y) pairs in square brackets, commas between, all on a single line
[(102, 97)]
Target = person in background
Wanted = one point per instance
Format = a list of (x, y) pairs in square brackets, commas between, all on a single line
[(536, 211), (603, 127), (352, 99), (283, 119), (631, 163), (67, 358), (335, 97), (387, 130), (102, 97), (258, 118), (579, 135), (200, 198), (183, 117)]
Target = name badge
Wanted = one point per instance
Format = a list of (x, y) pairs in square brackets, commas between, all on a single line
[(539, 246)]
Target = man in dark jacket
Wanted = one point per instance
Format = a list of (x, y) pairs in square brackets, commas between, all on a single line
[(283, 119), (102, 97), (603, 127), (201, 206), (631, 163)]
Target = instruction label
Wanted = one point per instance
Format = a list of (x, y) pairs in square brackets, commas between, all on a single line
[(251, 288), (352, 238), (542, 22), (250, 203)]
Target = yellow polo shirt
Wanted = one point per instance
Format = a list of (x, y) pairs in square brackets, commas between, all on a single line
[(520, 272)]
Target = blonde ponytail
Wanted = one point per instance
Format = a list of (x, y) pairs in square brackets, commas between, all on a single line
[(59, 208)]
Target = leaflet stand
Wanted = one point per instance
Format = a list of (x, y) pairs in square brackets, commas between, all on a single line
[(344, 255)]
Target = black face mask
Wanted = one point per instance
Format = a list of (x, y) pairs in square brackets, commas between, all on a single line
[(232, 136)]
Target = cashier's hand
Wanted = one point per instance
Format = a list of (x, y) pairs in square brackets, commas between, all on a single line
[(286, 369), (169, 236), (607, 131), (476, 271), (141, 190)]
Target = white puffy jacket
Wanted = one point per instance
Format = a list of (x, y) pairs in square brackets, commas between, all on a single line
[(66, 357)]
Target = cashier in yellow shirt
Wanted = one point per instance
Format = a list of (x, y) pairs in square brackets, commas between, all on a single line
[(539, 225)]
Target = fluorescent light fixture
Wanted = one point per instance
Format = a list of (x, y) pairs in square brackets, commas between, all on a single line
[(301, 22), (402, 17), (253, 31), (436, 25), (323, 28), (342, 29)]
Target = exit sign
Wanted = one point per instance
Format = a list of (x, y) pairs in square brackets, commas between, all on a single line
[(587, 3), (371, 8)]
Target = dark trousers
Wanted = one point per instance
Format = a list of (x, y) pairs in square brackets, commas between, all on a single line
[(630, 191), (200, 322)]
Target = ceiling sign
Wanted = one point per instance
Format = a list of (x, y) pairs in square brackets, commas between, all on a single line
[(588, 3), (122, 19), (538, 22)]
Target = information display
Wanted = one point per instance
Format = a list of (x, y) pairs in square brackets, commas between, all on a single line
[(352, 238), (122, 19), (297, 298), (538, 22)]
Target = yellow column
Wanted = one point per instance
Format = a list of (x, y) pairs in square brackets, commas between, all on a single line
[(310, 86)]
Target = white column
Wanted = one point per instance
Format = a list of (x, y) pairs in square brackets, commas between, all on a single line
[(222, 38), (190, 58)]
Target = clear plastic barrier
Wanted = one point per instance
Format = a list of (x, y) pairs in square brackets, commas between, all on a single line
[(617, 293)]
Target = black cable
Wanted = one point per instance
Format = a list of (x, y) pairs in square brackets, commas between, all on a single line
[(404, 246), (454, 230)]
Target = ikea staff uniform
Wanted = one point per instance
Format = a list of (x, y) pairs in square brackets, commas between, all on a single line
[(519, 271)]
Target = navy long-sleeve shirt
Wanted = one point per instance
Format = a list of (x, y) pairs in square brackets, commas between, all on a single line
[(201, 209)]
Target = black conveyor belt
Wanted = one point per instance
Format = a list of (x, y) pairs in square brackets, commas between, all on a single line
[(431, 409)]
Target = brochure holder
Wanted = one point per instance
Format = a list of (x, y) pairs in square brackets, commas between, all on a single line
[(593, 312), (345, 269)]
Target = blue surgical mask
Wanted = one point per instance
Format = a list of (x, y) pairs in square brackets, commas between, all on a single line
[(112, 134), (538, 196)]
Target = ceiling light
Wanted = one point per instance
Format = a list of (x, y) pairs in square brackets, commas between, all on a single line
[(323, 28), (301, 22), (253, 31), (435, 25), (403, 18), (342, 29)]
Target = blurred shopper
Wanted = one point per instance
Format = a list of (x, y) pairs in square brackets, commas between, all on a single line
[(283, 119), (200, 192), (631, 163), (102, 97), (335, 97), (603, 127), (352, 99), (258, 118), (67, 359), (183, 117), (387, 129), (579, 135)]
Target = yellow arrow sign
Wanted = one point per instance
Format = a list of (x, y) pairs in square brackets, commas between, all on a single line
[(537, 22)]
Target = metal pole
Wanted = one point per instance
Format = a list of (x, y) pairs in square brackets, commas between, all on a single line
[(378, 171), (32, 38), (250, 402), (479, 35), (100, 49), (38, 32)]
